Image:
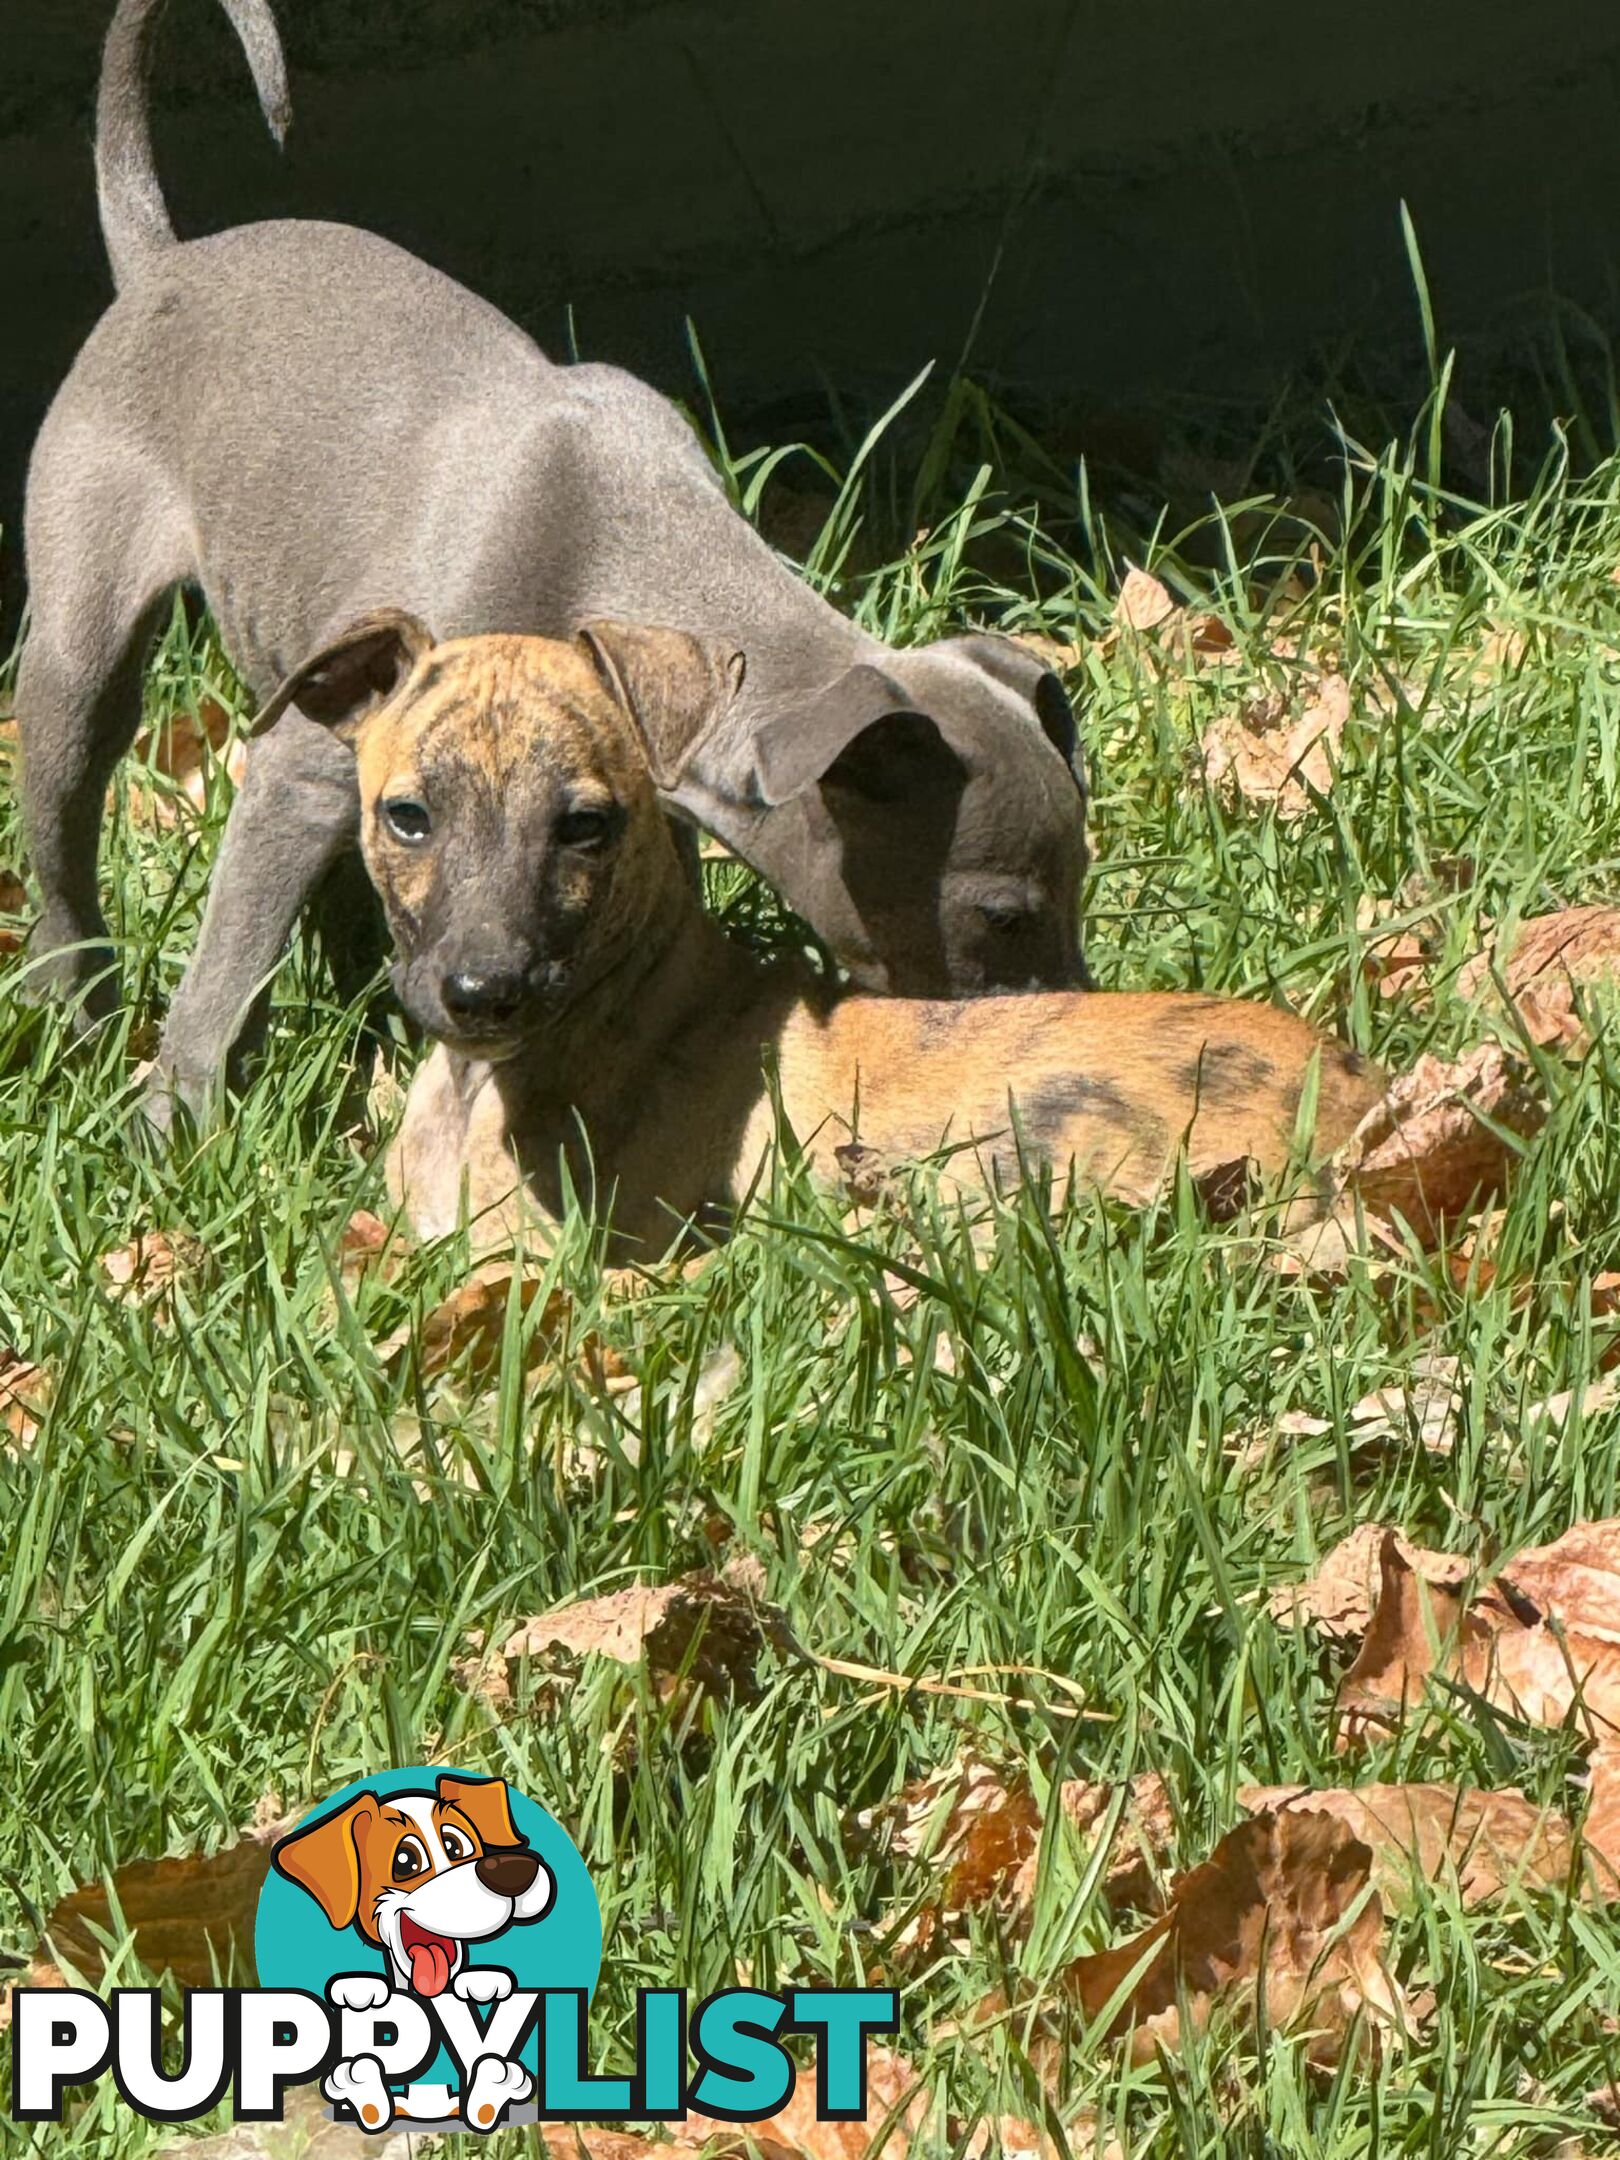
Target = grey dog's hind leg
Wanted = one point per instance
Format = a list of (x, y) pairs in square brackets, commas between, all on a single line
[(105, 544), (298, 812), (79, 707)]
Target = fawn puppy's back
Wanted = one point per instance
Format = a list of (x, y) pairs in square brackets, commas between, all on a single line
[(1110, 1084)]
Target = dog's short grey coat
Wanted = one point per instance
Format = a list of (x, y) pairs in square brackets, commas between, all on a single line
[(305, 422)]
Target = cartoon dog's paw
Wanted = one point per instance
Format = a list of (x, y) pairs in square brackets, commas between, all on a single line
[(494, 2087), (359, 1991), (359, 2085), (482, 1984)]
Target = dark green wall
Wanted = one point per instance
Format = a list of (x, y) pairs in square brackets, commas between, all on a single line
[(1176, 198)]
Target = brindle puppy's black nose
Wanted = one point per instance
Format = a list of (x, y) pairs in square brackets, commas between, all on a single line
[(475, 996), (508, 1872)]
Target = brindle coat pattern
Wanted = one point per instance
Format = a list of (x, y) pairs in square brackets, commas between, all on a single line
[(635, 1067)]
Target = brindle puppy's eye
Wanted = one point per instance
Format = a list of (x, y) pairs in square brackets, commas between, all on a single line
[(456, 1847), (586, 829), (408, 821), (410, 1860)]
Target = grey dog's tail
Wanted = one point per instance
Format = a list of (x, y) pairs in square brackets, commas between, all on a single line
[(134, 218)]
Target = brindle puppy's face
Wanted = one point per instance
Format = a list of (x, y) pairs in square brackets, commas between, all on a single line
[(509, 814), (504, 809)]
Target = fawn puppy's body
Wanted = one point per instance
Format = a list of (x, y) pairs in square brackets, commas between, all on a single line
[(596, 1028), (301, 421)]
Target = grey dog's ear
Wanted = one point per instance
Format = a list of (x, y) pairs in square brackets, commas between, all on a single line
[(861, 736), (673, 687), (338, 686), (1019, 669)]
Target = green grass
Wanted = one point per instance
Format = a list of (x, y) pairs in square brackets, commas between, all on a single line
[(244, 1550)]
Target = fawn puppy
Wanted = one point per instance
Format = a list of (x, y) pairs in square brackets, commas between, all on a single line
[(596, 1028)]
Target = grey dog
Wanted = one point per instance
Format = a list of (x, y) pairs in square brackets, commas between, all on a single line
[(306, 423)]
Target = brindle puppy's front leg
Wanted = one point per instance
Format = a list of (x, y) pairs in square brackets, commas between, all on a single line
[(298, 811)]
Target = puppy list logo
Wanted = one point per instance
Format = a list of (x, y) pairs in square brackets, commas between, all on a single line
[(427, 1946)]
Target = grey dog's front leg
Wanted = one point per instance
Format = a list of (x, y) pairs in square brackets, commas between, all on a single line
[(298, 811)]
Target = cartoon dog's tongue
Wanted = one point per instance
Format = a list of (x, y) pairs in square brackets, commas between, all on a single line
[(430, 1957)]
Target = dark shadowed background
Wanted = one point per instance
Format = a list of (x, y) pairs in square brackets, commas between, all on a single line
[(1117, 215)]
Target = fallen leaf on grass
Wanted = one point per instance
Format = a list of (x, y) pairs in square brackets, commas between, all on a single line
[(470, 1325), (712, 1627), (1489, 1844), (1050, 651), (981, 1831), (144, 1271), (25, 1393), (1426, 1152), (368, 1246), (1269, 758), (1425, 1409), (1556, 1409), (13, 893), (1143, 603), (1395, 962), (1265, 1921), (1339, 1598), (1533, 1658), (185, 1915), (182, 748), (1543, 965)]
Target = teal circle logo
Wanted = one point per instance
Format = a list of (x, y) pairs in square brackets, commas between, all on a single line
[(438, 1882)]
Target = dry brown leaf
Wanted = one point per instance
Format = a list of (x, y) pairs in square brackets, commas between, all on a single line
[(1489, 1844), (1050, 651), (1139, 1850), (712, 1627), (37, 1973), (1426, 1409), (1425, 1153), (1395, 962), (982, 1830), (470, 1326), (25, 1393), (13, 893), (1544, 963), (1269, 758), (1600, 1827), (1339, 1598), (1574, 1581), (1542, 1668), (1264, 1920), (1143, 603), (1345, 1238), (368, 1246), (144, 1271), (484, 1673), (183, 748), (1208, 637), (184, 1914), (1556, 1409)]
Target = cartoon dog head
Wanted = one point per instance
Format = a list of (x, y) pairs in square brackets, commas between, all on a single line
[(421, 1874)]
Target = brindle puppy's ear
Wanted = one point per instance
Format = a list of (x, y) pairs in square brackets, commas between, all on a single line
[(1020, 669), (348, 679), (674, 687), (861, 736)]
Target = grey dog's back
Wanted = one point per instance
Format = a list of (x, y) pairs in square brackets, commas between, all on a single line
[(452, 436)]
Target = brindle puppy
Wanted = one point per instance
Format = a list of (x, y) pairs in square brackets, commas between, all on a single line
[(595, 1027)]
